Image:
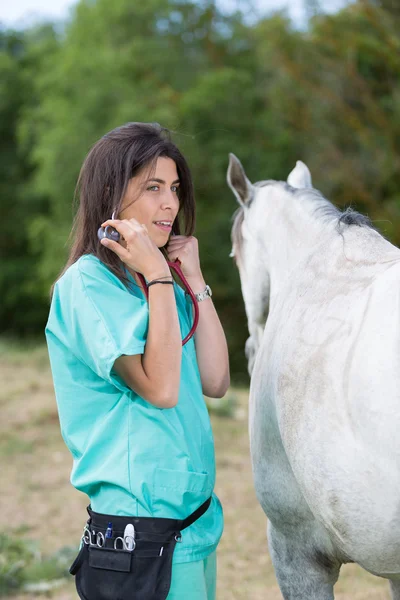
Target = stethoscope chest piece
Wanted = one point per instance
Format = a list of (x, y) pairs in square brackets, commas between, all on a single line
[(108, 232)]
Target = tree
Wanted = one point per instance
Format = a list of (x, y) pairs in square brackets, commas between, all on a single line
[(21, 56), (264, 90)]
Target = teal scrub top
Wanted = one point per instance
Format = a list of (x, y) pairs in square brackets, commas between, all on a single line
[(129, 457)]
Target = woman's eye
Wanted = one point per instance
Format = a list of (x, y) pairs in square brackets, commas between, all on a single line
[(157, 187)]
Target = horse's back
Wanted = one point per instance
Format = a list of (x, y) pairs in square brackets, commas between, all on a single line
[(329, 365)]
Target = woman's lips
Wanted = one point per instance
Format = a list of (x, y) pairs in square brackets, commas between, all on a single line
[(164, 227)]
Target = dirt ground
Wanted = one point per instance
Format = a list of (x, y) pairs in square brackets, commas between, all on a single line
[(38, 501)]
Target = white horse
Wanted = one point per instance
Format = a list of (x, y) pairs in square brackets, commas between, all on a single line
[(322, 296)]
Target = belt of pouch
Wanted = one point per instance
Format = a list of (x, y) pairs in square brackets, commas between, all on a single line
[(112, 572)]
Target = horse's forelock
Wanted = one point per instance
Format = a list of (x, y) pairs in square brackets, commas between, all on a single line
[(264, 182)]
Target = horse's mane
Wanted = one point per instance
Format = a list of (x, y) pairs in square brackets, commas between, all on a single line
[(314, 202), (324, 210)]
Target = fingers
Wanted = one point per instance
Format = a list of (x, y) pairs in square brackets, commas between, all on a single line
[(127, 229), (130, 231), (178, 239), (176, 245), (182, 251), (116, 247), (181, 238)]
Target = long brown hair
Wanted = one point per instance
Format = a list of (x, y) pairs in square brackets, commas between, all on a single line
[(103, 179)]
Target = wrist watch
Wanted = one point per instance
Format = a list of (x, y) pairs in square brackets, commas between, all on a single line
[(203, 295)]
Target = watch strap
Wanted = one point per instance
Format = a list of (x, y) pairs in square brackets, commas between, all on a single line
[(207, 293)]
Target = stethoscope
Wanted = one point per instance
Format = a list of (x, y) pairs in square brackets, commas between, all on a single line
[(112, 234)]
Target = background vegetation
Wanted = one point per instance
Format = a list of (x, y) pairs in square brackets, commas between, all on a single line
[(328, 94)]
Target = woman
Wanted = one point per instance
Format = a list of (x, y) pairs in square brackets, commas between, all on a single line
[(129, 396)]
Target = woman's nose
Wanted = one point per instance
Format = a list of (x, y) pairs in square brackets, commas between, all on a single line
[(170, 199)]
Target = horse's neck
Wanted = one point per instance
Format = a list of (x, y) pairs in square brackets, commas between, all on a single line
[(292, 236), (284, 239)]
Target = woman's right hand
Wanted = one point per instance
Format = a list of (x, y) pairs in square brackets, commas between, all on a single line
[(136, 249)]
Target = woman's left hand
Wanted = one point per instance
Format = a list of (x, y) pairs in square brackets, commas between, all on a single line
[(186, 249)]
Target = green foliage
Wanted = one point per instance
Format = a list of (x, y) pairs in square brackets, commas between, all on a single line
[(265, 91), (22, 309), (54, 567), (22, 566), (14, 556)]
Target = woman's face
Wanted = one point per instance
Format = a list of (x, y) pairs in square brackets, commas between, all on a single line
[(158, 202)]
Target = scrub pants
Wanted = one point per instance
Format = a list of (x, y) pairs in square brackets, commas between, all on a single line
[(194, 580)]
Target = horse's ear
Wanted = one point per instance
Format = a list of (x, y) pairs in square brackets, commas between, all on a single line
[(300, 177), (238, 182)]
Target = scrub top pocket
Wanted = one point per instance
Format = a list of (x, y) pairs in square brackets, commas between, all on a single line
[(176, 494)]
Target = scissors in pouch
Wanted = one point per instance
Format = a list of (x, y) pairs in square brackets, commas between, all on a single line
[(88, 537), (91, 538), (125, 543)]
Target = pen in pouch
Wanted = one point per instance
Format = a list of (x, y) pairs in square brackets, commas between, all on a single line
[(109, 531)]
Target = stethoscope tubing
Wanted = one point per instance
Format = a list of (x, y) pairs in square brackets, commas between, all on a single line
[(176, 267)]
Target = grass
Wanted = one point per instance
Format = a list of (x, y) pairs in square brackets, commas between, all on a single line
[(39, 505), (22, 566)]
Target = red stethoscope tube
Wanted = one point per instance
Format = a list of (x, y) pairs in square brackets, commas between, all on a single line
[(176, 267)]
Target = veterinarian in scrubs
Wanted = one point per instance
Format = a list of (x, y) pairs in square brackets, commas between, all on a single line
[(129, 396)]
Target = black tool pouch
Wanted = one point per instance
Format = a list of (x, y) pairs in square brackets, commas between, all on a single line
[(106, 573)]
